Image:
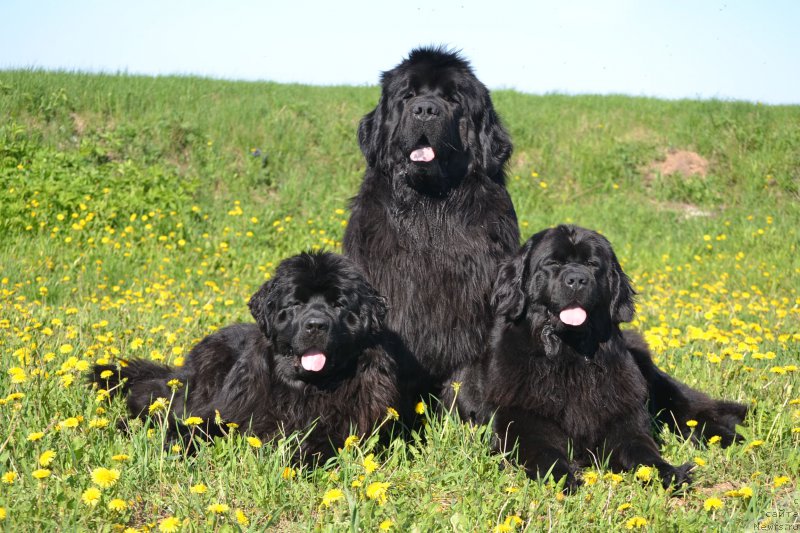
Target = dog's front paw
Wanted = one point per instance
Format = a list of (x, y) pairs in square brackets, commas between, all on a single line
[(676, 476)]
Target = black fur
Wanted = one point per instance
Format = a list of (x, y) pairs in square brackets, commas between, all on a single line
[(252, 373), (673, 404), (559, 383), (429, 235)]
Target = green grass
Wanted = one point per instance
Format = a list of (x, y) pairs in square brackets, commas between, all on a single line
[(136, 217)]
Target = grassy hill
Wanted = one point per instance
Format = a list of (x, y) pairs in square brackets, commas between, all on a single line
[(138, 214)]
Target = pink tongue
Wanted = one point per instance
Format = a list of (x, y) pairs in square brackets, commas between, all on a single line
[(573, 316), (313, 361), (423, 154)]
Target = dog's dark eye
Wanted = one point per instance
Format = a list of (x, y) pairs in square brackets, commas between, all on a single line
[(551, 263), (592, 263), (452, 99), (409, 94), (341, 302)]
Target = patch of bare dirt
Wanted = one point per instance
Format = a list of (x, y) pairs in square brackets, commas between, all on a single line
[(79, 123), (683, 162), (686, 209)]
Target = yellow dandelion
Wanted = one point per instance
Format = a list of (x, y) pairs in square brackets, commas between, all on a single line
[(743, 492), (98, 423), (624, 507), (644, 473), (218, 508), (255, 442), (91, 496), (377, 491), (635, 522), (105, 477), (241, 518), (71, 422), (160, 404), (780, 481), (590, 478), (193, 421), (65, 348), (351, 441), (288, 473), (419, 408), (369, 464), (105, 374), (117, 504), (755, 444), (332, 496), (46, 457), (2, 513), (714, 439), (17, 375), (40, 473), (120, 457), (392, 413), (691, 423), (713, 504), (199, 488), (169, 525), (385, 525), (174, 384), (699, 461), (9, 478)]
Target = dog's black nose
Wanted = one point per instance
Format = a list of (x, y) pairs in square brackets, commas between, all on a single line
[(316, 323), (425, 109), (575, 279)]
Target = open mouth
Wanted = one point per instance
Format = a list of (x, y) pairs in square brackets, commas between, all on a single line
[(423, 153), (573, 316), (313, 360)]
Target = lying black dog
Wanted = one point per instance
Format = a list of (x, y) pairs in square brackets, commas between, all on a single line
[(562, 375), (317, 361)]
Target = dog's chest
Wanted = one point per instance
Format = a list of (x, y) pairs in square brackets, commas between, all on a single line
[(583, 396)]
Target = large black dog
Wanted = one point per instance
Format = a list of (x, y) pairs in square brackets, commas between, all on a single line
[(561, 374), (433, 220), (318, 358)]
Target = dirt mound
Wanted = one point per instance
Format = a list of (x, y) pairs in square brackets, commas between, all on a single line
[(681, 162)]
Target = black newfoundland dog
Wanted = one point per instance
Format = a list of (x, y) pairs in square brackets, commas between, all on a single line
[(433, 220), (561, 374), (317, 362)]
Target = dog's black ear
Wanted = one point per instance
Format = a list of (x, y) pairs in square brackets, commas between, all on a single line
[(366, 138), (495, 143), (508, 295), (623, 306), (262, 307)]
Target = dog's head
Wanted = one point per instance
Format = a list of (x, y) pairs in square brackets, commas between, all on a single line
[(434, 124), (319, 312), (567, 280)]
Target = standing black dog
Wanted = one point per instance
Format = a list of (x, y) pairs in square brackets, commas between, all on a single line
[(561, 374), (433, 220), (318, 361)]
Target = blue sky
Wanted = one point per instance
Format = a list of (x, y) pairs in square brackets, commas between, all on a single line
[(738, 49)]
